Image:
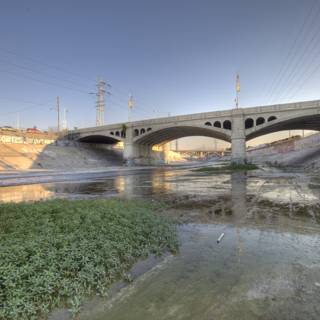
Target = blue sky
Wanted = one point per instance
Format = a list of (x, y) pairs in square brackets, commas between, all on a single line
[(174, 56)]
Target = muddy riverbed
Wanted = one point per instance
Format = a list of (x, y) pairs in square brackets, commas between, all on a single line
[(267, 266)]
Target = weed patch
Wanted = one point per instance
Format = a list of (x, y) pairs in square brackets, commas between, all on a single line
[(54, 253)]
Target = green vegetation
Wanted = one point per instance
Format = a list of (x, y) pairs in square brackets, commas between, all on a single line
[(228, 168), (54, 253)]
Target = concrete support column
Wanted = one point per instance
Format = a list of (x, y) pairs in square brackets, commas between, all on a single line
[(145, 154), (238, 138), (130, 149), (135, 153)]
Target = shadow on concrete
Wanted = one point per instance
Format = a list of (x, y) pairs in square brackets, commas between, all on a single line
[(59, 156)]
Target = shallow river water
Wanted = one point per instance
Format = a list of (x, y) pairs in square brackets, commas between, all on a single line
[(267, 265)]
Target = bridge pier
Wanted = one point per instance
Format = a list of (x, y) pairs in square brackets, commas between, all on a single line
[(238, 138), (238, 150), (135, 153)]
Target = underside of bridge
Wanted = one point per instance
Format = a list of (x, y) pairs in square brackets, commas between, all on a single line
[(98, 139), (300, 123), (168, 134)]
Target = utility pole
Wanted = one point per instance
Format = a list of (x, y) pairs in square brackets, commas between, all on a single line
[(100, 103), (237, 90), (177, 149), (130, 106), (18, 120), (58, 112)]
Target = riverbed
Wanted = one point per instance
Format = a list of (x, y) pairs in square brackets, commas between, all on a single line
[(267, 265)]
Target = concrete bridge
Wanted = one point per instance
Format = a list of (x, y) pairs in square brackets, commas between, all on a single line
[(235, 126)]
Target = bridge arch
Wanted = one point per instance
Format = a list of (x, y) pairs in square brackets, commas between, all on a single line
[(249, 123), (227, 125), (260, 121), (272, 118), (298, 122), (164, 135), (217, 124), (99, 139)]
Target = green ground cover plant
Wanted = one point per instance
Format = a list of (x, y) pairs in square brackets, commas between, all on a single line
[(233, 167), (55, 253)]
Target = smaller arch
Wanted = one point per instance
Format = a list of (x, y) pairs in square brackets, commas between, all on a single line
[(123, 135), (217, 124), (112, 133), (249, 123), (117, 133), (272, 118), (260, 121), (142, 131), (208, 123), (149, 129), (227, 124), (136, 132)]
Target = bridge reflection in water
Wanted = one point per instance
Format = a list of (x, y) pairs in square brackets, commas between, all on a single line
[(33, 192), (236, 198), (148, 184)]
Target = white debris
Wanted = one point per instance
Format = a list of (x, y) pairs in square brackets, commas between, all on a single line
[(220, 238)]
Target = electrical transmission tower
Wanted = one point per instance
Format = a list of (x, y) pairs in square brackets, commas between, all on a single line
[(100, 103)]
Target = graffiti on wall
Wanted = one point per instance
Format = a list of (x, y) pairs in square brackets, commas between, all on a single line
[(24, 140)]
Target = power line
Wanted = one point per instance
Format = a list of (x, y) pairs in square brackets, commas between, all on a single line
[(44, 64), (124, 105), (35, 105), (39, 72), (290, 55), (311, 44), (125, 102), (44, 82), (58, 68), (298, 83), (139, 103), (53, 67), (313, 71)]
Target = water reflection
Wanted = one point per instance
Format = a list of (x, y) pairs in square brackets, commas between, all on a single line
[(239, 193), (25, 193), (276, 278), (200, 197)]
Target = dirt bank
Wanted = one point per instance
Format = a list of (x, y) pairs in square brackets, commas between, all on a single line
[(56, 157), (303, 152)]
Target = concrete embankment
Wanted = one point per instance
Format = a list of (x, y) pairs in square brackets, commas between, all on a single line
[(304, 152), (57, 157)]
